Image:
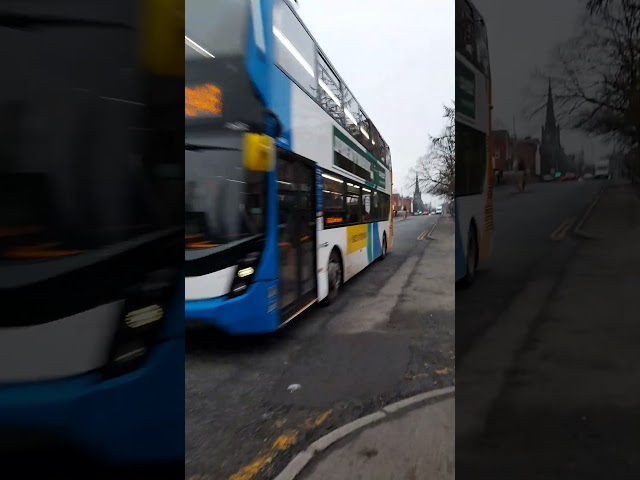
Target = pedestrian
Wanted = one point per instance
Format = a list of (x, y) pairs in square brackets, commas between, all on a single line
[(522, 180), (404, 212)]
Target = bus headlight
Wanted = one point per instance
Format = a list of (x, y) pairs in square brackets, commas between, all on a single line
[(244, 274), (140, 326)]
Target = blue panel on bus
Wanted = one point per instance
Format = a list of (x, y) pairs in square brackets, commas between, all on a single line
[(461, 262), (256, 62), (319, 197), (280, 103), (127, 428), (374, 248), (268, 267), (253, 312)]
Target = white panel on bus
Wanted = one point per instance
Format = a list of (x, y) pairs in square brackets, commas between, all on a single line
[(211, 285), (311, 129), (312, 134), (331, 237), (66, 347)]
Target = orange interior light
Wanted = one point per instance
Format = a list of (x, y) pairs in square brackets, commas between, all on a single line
[(202, 100)]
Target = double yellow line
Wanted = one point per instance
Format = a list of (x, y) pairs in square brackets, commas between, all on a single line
[(427, 233), (561, 232)]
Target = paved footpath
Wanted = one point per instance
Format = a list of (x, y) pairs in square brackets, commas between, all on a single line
[(402, 442)]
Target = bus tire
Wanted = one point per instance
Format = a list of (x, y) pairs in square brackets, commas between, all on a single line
[(472, 256), (335, 276), (384, 247)]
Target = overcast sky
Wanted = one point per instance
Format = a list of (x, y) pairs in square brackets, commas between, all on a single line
[(522, 34), (398, 62)]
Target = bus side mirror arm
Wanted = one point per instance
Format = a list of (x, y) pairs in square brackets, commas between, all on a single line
[(276, 123)]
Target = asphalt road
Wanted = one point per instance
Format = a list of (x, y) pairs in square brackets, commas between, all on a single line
[(568, 406), (390, 335), (527, 237), (521, 340)]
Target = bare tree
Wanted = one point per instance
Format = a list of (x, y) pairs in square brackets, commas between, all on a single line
[(436, 170), (596, 74)]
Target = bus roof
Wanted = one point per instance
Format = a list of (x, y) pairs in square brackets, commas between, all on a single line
[(292, 7)]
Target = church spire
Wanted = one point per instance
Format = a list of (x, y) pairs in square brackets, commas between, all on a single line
[(418, 206), (551, 117)]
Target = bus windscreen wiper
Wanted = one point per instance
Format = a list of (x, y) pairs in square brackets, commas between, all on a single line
[(23, 21), (195, 148)]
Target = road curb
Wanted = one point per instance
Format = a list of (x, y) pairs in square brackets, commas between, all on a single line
[(578, 228), (302, 459)]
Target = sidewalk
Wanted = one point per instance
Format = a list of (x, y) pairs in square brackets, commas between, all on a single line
[(413, 444), (413, 439), (570, 406)]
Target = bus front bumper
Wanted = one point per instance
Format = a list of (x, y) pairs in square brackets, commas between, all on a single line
[(252, 313), (134, 419)]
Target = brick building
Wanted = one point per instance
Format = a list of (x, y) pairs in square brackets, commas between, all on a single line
[(509, 154), (502, 146), (398, 202), (526, 154)]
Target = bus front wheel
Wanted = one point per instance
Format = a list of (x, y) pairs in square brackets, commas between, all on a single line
[(472, 256), (335, 277)]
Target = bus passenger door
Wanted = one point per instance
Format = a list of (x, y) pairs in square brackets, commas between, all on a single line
[(296, 234)]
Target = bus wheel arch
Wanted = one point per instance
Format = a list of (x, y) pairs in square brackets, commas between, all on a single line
[(383, 246), (335, 275), (473, 254)]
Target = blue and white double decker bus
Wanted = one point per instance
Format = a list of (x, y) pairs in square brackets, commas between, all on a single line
[(287, 181), (91, 286), (474, 159)]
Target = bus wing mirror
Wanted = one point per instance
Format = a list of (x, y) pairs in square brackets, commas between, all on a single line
[(259, 152), (277, 125)]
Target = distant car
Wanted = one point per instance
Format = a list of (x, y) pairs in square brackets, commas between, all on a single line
[(438, 210), (425, 213), (568, 177), (588, 176), (547, 178)]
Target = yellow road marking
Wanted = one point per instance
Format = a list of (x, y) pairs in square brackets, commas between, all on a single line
[(280, 444), (319, 420), (250, 471), (285, 441), (423, 235), (561, 232)]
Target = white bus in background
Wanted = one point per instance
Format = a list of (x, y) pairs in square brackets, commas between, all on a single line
[(602, 169), (473, 208)]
